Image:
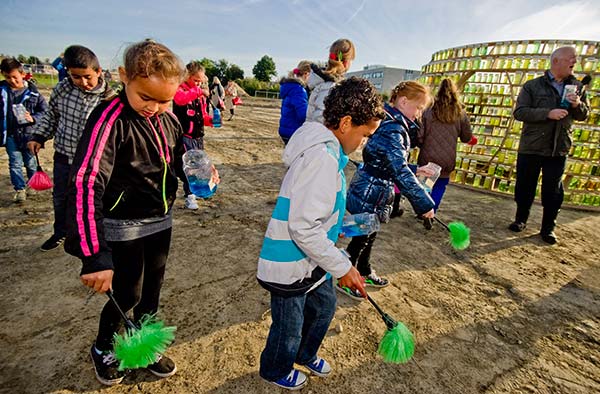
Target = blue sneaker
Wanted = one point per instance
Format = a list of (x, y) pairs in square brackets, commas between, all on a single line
[(319, 367), (295, 380)]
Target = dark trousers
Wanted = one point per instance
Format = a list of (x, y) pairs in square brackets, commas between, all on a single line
[(61, 169), (528, 172), (139, 267), (299, 326), (359, 250)]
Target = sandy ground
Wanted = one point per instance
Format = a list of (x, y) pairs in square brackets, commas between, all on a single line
[(508, 315)]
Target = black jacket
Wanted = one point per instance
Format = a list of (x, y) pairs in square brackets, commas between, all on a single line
[(540, 135), (122, 169)]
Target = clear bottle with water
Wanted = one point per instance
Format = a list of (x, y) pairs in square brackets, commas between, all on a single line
[(428, 175), (216, 117), (198, 171), (360, 224)]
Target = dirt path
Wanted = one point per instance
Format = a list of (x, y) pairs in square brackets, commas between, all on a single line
[(508, 315)]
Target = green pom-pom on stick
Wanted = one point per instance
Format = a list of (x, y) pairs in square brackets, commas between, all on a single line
[(459, 235), (138, 348), (397, 345)]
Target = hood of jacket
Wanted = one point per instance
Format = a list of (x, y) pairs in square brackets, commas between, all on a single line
[(307, 136), (319, 75), (287, 85)]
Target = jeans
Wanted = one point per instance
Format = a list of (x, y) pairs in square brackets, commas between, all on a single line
[(299, 326), (59, 193), (17, 157), (139, 269), (438, 190)]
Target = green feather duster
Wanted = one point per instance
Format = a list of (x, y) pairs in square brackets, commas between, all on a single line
[(459, 235), (138, 347), (397, 345)]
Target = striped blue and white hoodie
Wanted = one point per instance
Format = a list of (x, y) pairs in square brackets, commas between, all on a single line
[(299, 251)]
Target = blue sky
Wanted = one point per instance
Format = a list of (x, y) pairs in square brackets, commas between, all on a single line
[(396, 33)]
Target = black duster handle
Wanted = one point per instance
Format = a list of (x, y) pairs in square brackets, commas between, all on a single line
[(39, 167), (442, 223), (128, 321), (387, 319)]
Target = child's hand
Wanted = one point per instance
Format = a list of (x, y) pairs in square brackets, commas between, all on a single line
[(353, 280), (100, 281), (429, 215), (215, 175), (29, 117), (34, 146)]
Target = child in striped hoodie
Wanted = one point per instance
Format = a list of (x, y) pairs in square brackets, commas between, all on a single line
[(299, 257)]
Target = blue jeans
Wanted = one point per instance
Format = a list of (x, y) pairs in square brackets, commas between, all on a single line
[(17, 157), (59, 193), (299, 326), (438, 190)]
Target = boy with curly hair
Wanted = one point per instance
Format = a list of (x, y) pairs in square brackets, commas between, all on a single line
[(298, 257)]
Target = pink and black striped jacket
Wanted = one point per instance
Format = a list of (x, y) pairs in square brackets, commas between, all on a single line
[(124, 168)]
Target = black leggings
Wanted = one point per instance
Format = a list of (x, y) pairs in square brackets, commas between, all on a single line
[(139, 267), (359, 250)]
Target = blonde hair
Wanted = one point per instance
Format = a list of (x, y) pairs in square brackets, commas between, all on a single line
[(412, 90), (447, 107), (194, 67), (216, 80), (302, 68), (340, 52), (146, 58)]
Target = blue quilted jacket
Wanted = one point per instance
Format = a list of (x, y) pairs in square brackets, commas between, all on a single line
[(293, 106), (384, 156)]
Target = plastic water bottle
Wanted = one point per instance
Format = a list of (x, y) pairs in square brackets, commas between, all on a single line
[(216, 117), (428, 175), (198, 171), (564, 103), (360, 224)]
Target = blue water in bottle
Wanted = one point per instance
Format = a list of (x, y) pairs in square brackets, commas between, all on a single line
[(216, 118), (201, 187), (360, 224)]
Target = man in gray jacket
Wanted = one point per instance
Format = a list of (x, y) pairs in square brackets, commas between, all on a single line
[(547, 111)]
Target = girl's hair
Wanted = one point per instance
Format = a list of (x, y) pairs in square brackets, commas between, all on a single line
[(303, 68), (194, 67), (447, 107), (216, 80), (146, 58), (355, 97), (412, 90), (340, 52)]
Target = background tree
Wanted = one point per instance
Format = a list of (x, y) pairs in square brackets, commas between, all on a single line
[(33, 60), (264, 69), (234, 72), (22, 59)]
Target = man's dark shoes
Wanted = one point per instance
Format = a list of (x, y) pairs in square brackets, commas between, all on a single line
[(549, 238), (428, 223), (52, 243), (517, 226)]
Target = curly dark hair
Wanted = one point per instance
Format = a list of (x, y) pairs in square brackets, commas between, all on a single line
[(355, 97)]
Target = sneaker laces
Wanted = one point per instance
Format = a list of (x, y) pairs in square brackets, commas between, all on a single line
[(109, 358), (290, 377)]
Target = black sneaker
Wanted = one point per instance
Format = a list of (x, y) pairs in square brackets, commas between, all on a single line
[(52, 243), (354, 294), (517, 227), (549, 238), (428, 223), (163, 367), (375, 280), (106, 367)]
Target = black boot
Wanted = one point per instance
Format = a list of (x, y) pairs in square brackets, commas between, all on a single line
[(520, 222), (397, 207), (548, 225)]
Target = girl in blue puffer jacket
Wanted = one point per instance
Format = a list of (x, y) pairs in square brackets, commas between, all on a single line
[(385, 165), (294, 100)]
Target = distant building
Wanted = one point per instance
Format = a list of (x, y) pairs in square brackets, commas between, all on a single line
[(39, 68), (385, 78)]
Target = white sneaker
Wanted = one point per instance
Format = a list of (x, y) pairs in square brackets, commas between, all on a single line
[(20, 196), (190, 202)]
